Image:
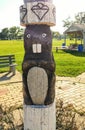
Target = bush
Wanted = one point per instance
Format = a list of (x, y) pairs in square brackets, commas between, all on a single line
[(65, 117), (7, 119)]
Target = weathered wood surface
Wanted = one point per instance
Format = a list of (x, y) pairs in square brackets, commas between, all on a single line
[(38, 13), (38, 52), (25, 1), (40, 117), (37, 81), (38, 65)]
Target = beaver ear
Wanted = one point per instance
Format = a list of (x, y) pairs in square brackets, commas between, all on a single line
[(28, 35), (44, 35)]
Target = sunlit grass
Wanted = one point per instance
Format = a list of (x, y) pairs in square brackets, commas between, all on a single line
[(13, 47), (68, 63)]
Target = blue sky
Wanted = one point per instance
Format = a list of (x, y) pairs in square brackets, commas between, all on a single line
[(9, 12)]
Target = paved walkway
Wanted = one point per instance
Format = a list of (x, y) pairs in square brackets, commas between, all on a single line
[(11, 90), (70, 90)]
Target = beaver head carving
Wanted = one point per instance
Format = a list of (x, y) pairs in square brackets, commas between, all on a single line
[(38, 39)]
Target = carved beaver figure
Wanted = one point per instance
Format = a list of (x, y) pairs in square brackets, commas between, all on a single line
[(38, 53)]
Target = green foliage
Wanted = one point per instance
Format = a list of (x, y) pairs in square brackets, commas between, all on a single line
[(67, 22), (68, 63), (79, 19), (56, 35), (4, 34), (11, 33)]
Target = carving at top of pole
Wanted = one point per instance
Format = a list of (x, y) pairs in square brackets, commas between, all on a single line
[(40, 7), (25, 1), (37, 12)]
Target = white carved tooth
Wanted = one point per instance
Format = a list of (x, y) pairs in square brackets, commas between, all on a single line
[(34, 47), (39, 50)]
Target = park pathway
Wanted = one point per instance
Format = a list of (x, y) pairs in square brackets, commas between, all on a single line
[(10, 89), (70, 90)]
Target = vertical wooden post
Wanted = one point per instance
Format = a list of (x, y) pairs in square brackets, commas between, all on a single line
[(39, 117), (65, 39), (38, 65), (83, 41)]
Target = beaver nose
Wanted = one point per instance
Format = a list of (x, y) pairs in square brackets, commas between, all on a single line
[(37, 48)]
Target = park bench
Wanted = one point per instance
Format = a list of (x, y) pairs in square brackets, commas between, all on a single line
[(8, 61), (56, 48)]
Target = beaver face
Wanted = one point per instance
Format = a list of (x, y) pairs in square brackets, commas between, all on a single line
[(38, 39), (38, 54)]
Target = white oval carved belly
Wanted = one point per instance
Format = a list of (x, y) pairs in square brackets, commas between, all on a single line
[(37, 81)]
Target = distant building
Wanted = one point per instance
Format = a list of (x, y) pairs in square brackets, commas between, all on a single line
[(77, 30)]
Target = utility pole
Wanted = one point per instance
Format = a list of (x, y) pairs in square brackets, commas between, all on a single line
[(38, 65)]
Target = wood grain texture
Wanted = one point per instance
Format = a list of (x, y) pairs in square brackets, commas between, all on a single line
[(26, 1), (40, 117), (38, 35), (38, 13), (23, 15), (37, 81)]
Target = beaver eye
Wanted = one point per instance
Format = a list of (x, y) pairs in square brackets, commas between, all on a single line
[(44, 35), (28, 35)]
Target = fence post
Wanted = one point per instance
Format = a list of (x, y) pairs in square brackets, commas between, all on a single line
[(38, 65)]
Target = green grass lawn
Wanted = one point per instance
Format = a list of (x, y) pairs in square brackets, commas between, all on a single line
[(13, 47), (68, 63)]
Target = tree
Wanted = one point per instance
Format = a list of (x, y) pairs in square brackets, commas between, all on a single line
[(67, 22), (56, 35), (79, 18), (4, 34), (20, 32), (0, 35), (16, 33), (11, 33)]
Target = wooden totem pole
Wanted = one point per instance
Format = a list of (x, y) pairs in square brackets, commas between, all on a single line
[(38, 65)]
